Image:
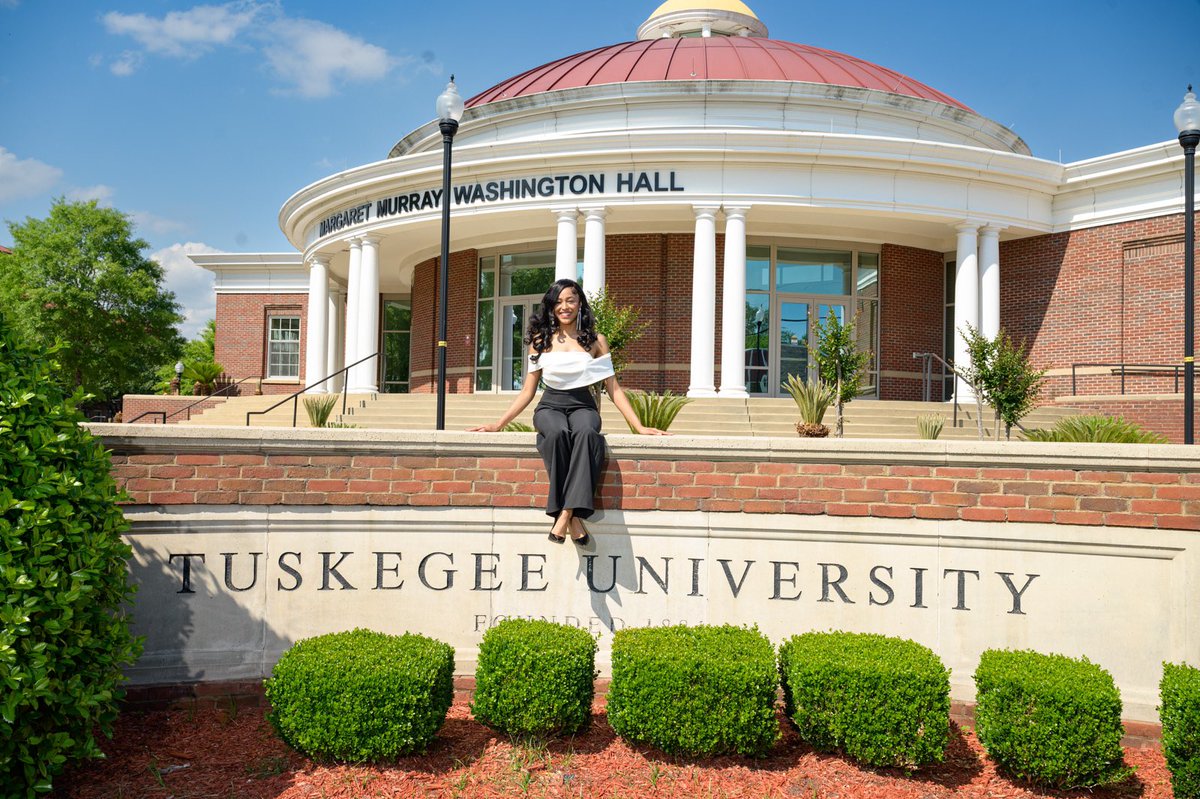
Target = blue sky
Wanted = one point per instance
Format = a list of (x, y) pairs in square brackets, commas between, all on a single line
[(199, 120)]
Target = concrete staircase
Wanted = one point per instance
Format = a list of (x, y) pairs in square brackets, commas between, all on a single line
[(712, 417)]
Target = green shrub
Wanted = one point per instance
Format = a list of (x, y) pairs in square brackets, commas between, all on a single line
[(535, 678), (1180, 716), (205, 373), (883, 701), (517, 427), (1096, 429), (1049, 719), (656, 410), (361, 695), (694, 690), (63, 577)]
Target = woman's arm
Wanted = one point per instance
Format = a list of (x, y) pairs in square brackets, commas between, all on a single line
[(620, 400), (519, 403)]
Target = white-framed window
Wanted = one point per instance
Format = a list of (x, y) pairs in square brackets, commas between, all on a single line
[(283, 346)]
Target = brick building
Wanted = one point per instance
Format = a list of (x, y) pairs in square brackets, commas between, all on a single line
[(736, 189)]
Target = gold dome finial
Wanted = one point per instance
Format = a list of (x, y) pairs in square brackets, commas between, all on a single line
[(678, 18)]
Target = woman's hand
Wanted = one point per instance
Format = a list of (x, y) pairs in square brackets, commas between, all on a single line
[(484, 428), (652, 431)]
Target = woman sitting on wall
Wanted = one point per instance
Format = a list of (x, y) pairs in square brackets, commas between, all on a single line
[(569, 356)]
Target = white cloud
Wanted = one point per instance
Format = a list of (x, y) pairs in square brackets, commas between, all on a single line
[(311, 55), (100, 193), (9, 3), (155, 224), (192, 285), (126, 64), (185, 34), (25, 177)]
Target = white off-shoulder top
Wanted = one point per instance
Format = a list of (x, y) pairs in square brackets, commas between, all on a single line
[(567, 370)]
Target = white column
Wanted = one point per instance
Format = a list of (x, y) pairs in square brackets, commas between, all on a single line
[(333, 352), (989, 281), (363, 376), (593, 249), (352, 291), (966, 302), (733, 306), (566, 256), (317, 338), (704, 302)]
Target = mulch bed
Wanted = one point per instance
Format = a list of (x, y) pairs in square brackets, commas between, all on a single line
[(229, 751)]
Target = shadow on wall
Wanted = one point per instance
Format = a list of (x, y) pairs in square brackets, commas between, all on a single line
[(202, 621)]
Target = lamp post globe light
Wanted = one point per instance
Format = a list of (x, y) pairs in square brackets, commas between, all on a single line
[(1187, 122), (450, 108)]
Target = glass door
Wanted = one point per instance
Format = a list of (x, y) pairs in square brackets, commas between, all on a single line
[(514, 319), (397, 327), (799, 319)]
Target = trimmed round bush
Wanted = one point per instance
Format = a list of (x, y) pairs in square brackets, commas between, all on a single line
[(883, 701), (694, 690), (361, 695), (1049, 719), (535, 678), (1180, 715), (64, 578)]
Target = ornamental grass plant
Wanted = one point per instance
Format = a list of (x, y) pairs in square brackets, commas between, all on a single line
[(883, 701), (319, 408), (1097, 430), (535, 678), (694, 691), (361, 695), (812, 398), (1049, 719), (656, 410)]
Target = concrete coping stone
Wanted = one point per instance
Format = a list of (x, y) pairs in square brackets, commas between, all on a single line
[(151, 439)]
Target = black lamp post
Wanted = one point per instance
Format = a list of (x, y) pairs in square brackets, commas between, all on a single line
[(1187, 121), (449, 110)]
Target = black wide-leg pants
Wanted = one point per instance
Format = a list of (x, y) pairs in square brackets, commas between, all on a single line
[(569, 440)]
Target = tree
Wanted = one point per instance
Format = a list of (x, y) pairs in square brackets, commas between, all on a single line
[(1001, 374), (839, 362), (79, 277), (64, 579), (619, 324), (201, 349)]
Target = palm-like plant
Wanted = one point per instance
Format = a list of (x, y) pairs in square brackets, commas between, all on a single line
[(1096, 429), (319, 408), (813, 398), (203, 372), (516, 427), (929, 425), (655, 410)]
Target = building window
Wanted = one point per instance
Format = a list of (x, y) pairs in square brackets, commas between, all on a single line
[(511, 286), (283, 346)]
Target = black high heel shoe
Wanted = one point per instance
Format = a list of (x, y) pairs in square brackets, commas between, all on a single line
[(558, 539), (585, 538)]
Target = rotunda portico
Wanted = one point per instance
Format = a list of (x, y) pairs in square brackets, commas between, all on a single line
[(699, 122)]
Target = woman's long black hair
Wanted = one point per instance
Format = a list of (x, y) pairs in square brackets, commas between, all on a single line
[(543, 323)]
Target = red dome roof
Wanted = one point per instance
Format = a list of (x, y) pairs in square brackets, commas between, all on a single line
[(709, 58)]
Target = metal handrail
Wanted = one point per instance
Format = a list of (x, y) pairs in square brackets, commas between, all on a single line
[(927, 359), (295, 398), (188, 408), (1125, 367), (163, 414)]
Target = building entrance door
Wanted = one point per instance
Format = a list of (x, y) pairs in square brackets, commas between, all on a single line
[(397, 327), (514, 319), (796, 333)]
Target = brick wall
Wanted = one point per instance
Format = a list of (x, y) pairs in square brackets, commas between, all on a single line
[(911, 317), (1112, 494), (134, 405), (1104, 295), (241, 343), (461, 311)]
